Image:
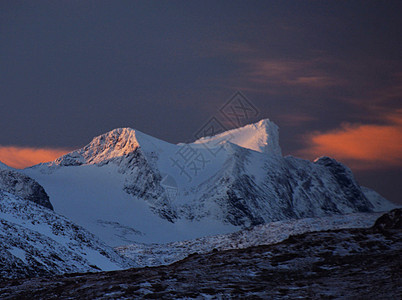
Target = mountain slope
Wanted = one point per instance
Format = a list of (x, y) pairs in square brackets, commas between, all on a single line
[(348, 263), (35, 241), (154, 191), (261, 137), (4, 166), (379, 202), (23, 186)]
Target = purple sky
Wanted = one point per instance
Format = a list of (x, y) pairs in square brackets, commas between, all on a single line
[(329, 73)]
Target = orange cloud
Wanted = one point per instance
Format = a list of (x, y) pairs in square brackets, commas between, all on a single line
[(360, 146), (309, 73), (294, 119), (22, 157)]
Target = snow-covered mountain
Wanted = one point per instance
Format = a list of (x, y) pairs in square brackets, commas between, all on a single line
[(23, 186), (261, 137), (378, 201), (35, 241), (126, 186)]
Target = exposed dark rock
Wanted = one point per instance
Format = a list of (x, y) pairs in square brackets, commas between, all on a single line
[(344, 177), (391, 220), (144, 182), (25, 187)]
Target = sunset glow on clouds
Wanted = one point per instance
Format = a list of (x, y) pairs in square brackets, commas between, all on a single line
[(360, 146), (303, 73), (22, 157)]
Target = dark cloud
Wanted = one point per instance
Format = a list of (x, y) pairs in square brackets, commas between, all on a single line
[(71, 70)]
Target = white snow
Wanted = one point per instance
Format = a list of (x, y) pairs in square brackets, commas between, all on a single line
[(19, 253), (113, 186), (52, 242), (261, 137), (88, 193)]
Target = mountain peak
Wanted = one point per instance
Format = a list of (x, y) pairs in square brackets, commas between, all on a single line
[(115, 143), (262, 136)]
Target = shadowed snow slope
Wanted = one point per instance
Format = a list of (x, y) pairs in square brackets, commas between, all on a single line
[(24, 187), (126, 186), (378, 201), (36, 241), (4, 166)]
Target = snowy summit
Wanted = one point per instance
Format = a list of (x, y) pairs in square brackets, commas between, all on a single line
[(126, 186), (261, 137)]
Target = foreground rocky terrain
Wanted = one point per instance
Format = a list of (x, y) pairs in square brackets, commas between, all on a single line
[(346, 263), (150, 255)]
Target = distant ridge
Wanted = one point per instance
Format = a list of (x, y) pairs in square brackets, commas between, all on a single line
[(166, 192)]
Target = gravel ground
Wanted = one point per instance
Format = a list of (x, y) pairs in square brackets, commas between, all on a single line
[(347, 264)]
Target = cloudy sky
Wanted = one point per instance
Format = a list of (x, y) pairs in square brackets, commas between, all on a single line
[(329, 73)]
